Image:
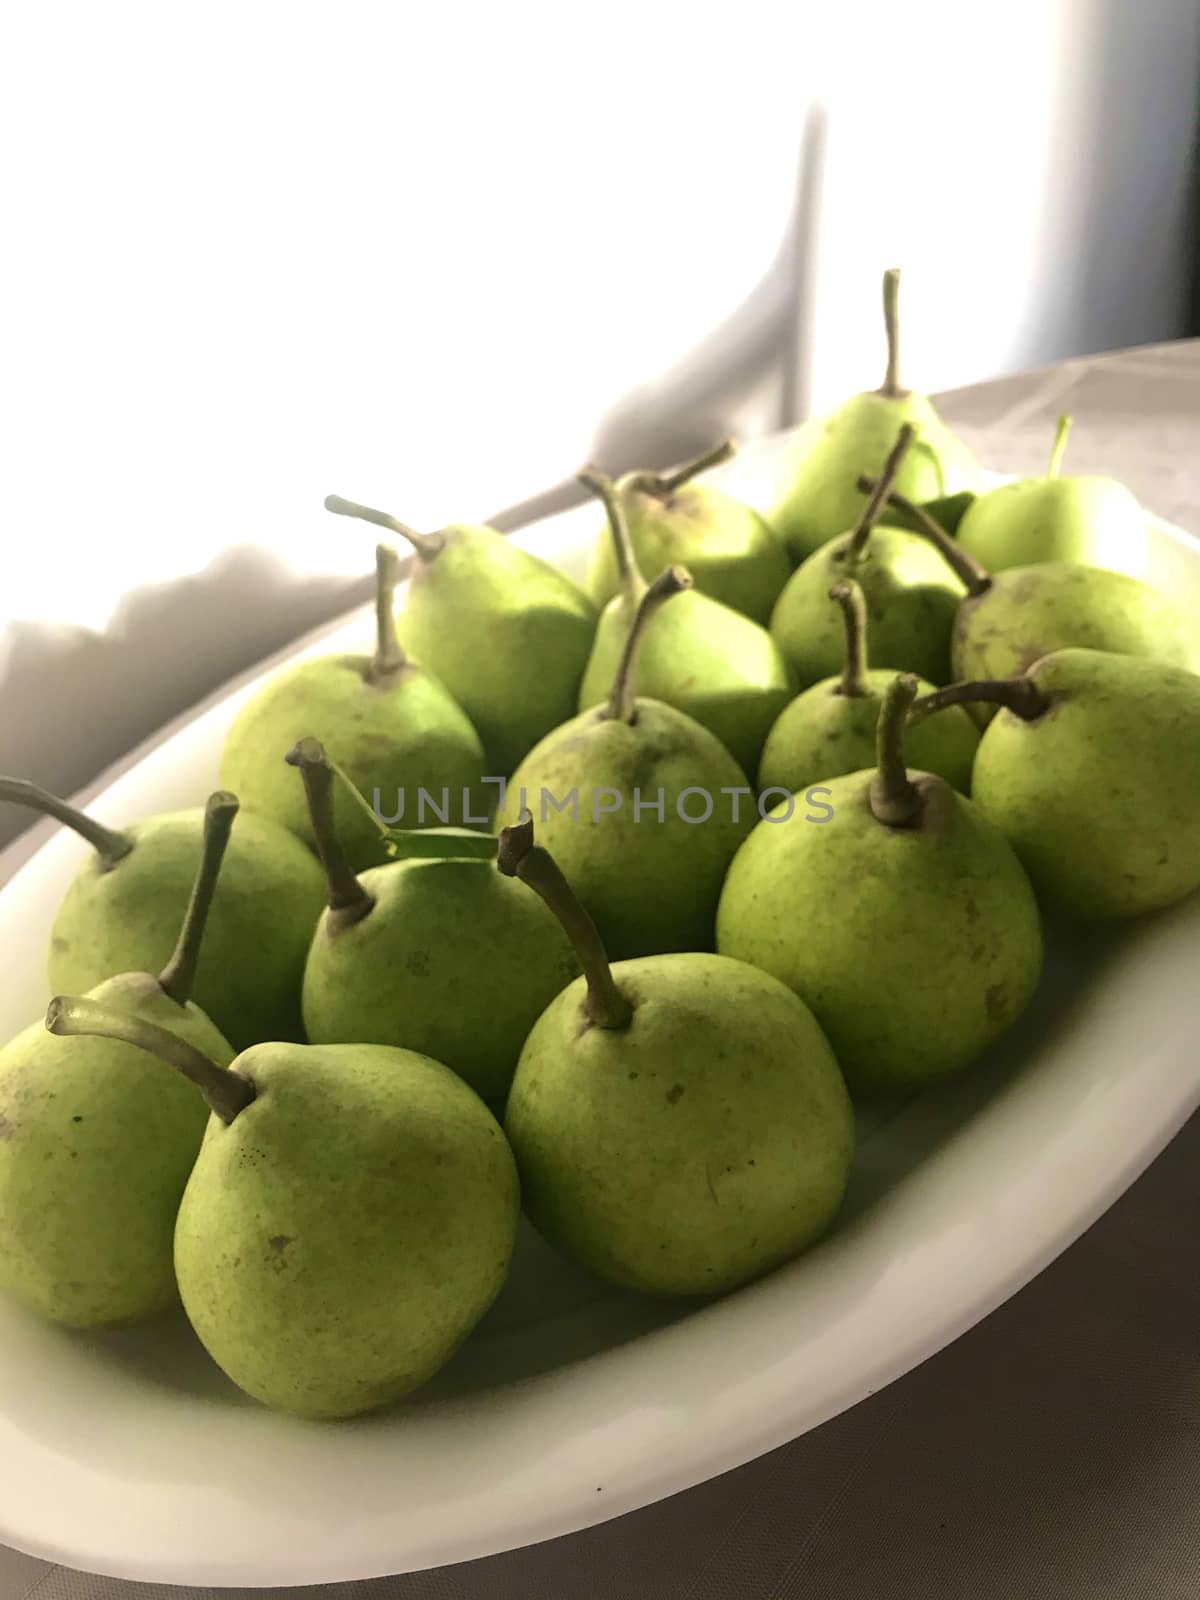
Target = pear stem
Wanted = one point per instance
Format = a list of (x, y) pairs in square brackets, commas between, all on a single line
[(894, 799), (519, 857), (849, 596), (227, 1091), (108, 844), (1060, 446), (632, 582), (892, 387), (1019, 695), (975, 578), (179, 975), (388, 657), (878, 494), (349, 902), (664, 484), (426, 545), (622, 697)]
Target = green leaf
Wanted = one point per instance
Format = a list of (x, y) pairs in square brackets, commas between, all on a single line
[(439, 844)]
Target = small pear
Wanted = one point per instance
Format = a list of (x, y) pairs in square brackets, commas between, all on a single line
[(96, 1144), (911, 594), (697, 654), (1011, 619), (679, 1122), (508, 634), (731, 553), (829, 730), (1055, 518), (123, 908), (816, 499), (446, 957), (392, 727), (1092, 770), (905, 920), (641, 805), (350, 1216)]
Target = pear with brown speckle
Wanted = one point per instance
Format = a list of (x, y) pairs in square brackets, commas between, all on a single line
[(905, 920), (679, 1121)]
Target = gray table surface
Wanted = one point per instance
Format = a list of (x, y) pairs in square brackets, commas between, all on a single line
[(1051, 1451)]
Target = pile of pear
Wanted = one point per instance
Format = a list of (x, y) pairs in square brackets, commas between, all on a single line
[(309, 1058)]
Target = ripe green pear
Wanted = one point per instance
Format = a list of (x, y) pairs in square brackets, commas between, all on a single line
[(340, 1239), (665, 894), (731, 553), (445, 957), (1054, 518), (1008, 620), (1028, 612), (1093, 775), (350, 1216), (826, 734), (392, 727), (595, 786), (97, 1142), (911, 594), (816, 499), (905, 921), (123, 909), (679, 1122), (508, 634), (697, 655), (829, 730)]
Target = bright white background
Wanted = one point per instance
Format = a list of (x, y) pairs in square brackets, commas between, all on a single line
[(432, 256)]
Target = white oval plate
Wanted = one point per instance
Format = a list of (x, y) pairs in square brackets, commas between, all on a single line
[(129, 1454)]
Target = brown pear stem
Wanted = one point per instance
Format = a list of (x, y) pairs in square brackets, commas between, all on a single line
[(894, 799), (632, 583), (975, 578), (227, 1091), (349, 902), (664, 484), (1058, 450), (108, 844), (849, 596), (622, 697), (892, 387), (1019, 695), (388, 657), (519, 857), (179, 975), (878, 494), (426, 545)]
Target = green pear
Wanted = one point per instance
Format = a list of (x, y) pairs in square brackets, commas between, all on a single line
[(905, 919), (350, 1217), (816, 499), (508, 634), (731, 553), (679, 1122), (697, 654), (829, 730), (96, 1144), (392, 727), (1092, 770), (911, 594), (641, 805), (446, 957), (123, 907), (1009, 620), (1052, 518)]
